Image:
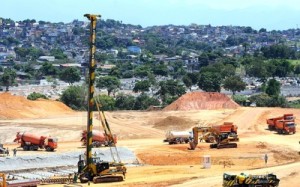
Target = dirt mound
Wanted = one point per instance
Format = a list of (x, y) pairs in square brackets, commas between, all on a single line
[(202, 100), (16, 107), (174, 123)]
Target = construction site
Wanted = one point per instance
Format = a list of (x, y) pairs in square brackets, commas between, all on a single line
[(149, 160), (201, 139)]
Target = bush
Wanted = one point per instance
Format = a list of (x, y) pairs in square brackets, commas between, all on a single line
[(240, 99), (75, 97), (264, 100), (106, 102), (34, 96), (294, 104)]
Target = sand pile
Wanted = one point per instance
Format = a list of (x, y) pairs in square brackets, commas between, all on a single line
[(174, 123), (16, 107), (202, 100)]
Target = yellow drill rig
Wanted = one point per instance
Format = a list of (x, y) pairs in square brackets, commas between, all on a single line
[(92, 168)]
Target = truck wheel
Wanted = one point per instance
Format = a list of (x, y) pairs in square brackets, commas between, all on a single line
[(25, 148)]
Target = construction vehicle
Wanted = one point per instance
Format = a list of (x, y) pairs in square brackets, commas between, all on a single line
[(242, 180), (220, 137), (272, 121), (98, 139), (285, 126), (93, 168), (176, 137), (32, 142)]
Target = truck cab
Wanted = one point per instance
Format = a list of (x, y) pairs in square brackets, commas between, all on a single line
[(51, 144), (285, 127)]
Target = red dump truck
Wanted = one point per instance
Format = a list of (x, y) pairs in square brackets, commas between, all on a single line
[(33, 142), (285, 126), (272, 121), (98, 138), (227, 127)]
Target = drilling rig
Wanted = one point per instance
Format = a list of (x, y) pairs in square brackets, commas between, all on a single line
[(92, 168)]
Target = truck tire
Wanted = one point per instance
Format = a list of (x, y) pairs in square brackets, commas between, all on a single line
[(31, 148), (25, 148)]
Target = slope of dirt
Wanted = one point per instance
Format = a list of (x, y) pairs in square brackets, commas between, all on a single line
[(173, 122), (17, 107), (202, 100)]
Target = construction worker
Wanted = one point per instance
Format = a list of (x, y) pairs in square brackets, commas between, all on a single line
[(15, 152), (266, 159)]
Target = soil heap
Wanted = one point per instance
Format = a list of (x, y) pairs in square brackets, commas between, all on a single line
[(202, 101), (174, 123), (17, 107)]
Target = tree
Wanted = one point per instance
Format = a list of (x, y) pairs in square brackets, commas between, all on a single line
[(273, 88), (141, 71), (75, 97), (124, 102), (259, 68), (187, 82), (109, 82), (143, 102), (142, 86), (210, 81), (296, 71), (70, 75), (58, 53), (234, 83), (160, 69), (48, 69), (8, 77), (107, 102), (170, 88)]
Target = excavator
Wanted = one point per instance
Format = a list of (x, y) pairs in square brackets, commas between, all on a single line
[(93, 168), (211, 135)]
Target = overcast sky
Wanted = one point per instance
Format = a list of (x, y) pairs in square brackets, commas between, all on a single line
[(269, 14)]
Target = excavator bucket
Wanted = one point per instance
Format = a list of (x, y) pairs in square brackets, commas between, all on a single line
[(192, 146)]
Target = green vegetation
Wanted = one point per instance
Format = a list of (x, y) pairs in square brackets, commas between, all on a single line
[(294, 104), (75, 97), (35, 96), (8, 78)]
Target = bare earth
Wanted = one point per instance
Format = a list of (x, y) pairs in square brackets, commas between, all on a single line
[(167, 165)]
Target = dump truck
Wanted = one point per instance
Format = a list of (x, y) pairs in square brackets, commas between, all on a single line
[(242, 180), (272, 121), (285, 126), (32, 142), (176, 137), (98, 138), (226, 127)]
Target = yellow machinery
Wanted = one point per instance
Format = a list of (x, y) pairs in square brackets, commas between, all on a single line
[(2, 180), (211, 135), (242, 180), (92, 168)]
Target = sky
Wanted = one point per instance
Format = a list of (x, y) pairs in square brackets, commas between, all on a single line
[(269, 14)]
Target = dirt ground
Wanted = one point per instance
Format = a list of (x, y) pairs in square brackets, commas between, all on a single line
[(166, 165)]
